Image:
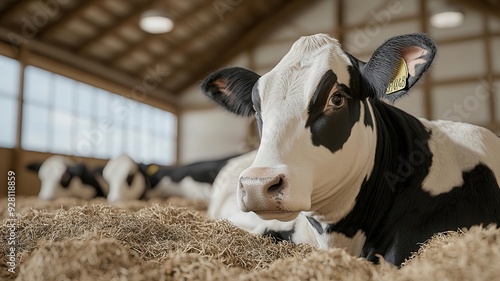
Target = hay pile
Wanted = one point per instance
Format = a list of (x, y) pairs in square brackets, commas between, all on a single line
[(174, 240)]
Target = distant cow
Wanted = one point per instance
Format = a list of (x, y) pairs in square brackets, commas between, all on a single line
[(331, 146), (60, 177), (130, 180)]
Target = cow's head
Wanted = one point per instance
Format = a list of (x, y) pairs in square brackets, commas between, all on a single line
[(60, 177), (315, 112), (127, 179)]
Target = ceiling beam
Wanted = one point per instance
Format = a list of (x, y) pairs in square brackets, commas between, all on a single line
[(123, 21), (66, 17), (11, 9), (138, 86), (142, 45), (221, 54), (181, 45)]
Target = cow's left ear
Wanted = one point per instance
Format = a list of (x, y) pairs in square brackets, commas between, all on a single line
[(398, 64)]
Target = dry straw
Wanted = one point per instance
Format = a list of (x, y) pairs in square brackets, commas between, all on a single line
[(174, 240)]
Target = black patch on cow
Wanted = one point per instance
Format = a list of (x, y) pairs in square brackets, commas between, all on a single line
[(87, 177), (203, 171), (331, 128), (316, 225), (393, 210), (368, 119), (257, 106), (280, 235)]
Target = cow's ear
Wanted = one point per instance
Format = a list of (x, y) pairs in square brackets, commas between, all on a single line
[(232, 89), (35, 167), (398, 64)]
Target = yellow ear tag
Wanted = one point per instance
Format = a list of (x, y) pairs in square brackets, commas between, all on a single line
[(152, 169), (399, 82)]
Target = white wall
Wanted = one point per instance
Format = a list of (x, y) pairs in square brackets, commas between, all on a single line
[(210, 134)]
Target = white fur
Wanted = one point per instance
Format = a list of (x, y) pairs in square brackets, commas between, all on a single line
[(115, 173), (50, 174), (458, 147)]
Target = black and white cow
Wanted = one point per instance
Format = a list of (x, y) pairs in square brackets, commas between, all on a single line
[(60, 177), (130, 180), (331, 146)]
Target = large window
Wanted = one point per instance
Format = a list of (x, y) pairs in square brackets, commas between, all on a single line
[(9, 92), (65, 116)]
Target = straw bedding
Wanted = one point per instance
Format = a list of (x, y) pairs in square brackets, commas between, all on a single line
[(173, 239)]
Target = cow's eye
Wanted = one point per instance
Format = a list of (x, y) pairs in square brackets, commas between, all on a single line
[(337, 100), (130, 178)]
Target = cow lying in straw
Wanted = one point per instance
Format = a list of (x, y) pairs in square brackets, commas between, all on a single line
[(366, 170)]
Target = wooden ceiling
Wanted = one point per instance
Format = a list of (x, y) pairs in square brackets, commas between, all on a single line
[(103, 37)]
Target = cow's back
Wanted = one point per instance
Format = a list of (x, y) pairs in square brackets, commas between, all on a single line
[(457, 148)]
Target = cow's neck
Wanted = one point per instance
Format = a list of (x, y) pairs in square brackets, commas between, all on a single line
[(401, 146)]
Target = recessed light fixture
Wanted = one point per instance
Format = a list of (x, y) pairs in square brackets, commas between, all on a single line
[(156, 21), (447, 19), (445, 14)]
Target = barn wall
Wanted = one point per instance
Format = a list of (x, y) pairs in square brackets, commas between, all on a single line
[(210, 134)]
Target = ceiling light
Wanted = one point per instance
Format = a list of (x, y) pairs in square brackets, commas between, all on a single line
[(156, 21), (447, 19), (445, 14)]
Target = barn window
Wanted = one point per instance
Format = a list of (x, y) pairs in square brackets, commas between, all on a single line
[(61, 115), (9, 85)]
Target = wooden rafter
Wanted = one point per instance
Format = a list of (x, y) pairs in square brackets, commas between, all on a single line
[(67, 17), (221, 54), (12, 8), (181, 45), (123, 21), (143, 44)]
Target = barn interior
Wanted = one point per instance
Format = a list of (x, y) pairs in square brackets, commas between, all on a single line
[(82, 78)]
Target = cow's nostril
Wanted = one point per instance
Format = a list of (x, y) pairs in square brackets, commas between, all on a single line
[(276, 186)]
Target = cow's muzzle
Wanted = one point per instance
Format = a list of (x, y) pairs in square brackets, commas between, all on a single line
[(267, 192)]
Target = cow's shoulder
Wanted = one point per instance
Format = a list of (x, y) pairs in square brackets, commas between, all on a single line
[(457, 148)]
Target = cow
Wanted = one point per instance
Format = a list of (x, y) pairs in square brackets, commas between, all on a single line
[(61, 177), (129, 180), (334, 146)]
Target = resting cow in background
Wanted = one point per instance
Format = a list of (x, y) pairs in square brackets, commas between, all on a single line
[(369, 171), (60, 177), (129, 180)]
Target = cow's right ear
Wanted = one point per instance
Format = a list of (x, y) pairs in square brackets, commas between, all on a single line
[(231, 88), (35, 167)]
